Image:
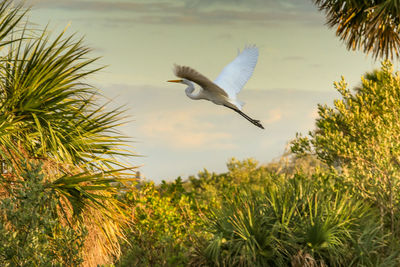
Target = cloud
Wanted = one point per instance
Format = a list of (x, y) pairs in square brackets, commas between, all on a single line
[(270, 4), (106, 6), (140, 5), (182, 12), (274, 115), (179, 136), (183, 129)]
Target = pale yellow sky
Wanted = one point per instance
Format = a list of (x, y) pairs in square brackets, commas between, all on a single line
[(300, 58)]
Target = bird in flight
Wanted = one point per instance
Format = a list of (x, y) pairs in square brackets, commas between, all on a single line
[(228, 84)]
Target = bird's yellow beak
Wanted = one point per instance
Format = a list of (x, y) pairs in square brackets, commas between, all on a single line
[(174, 81)]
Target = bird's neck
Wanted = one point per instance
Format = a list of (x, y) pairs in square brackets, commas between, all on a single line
[(190, 91)]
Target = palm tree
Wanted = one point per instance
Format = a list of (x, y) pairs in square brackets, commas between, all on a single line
[(49, 114), (371, 26)]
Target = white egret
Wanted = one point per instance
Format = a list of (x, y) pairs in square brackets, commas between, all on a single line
[(228, 84)]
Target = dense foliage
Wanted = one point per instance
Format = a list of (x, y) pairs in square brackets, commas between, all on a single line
[(164, 222), (290, 218), (360, 137), (31, 231)]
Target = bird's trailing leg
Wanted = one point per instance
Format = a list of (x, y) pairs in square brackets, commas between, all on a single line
[(255, 122)]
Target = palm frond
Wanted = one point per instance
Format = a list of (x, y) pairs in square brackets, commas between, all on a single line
[(10, 17), (371, 26), (42, 94), (48, 113)]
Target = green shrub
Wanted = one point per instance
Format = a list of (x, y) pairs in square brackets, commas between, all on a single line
[(31, 232), (294, 221), (359, 137), (163, 223)]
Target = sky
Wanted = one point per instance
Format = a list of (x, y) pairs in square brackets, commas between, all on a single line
[(140, 40)]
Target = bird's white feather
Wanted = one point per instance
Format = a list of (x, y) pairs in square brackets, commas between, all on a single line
[(236, 74)]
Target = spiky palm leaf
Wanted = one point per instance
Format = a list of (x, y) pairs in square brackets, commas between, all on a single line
[(44, 97), (9, 19), (48, 114), (292, 221), (371, 26)]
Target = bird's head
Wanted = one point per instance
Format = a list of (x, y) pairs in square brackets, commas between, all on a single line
[(183, 81), (176, 81)]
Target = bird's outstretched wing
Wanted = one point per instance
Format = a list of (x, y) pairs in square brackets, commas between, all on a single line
[(194, 76), (236, 74)]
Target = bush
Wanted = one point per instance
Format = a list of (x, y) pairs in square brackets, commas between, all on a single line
[(359, 137), (31, 231), (295, 221), (163, 223)]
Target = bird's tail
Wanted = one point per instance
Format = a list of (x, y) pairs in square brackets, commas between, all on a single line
[(237, 103), (240, 104)]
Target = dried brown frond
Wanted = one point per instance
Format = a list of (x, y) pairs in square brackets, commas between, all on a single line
[(105, 227), (304, 259)]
